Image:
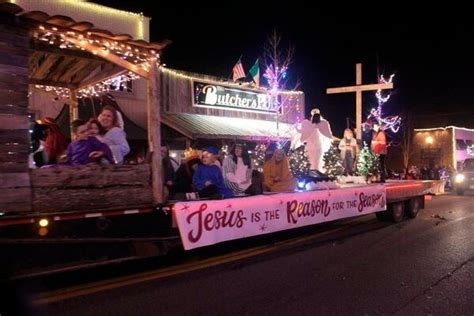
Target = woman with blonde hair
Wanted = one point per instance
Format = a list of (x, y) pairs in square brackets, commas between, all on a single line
[(115, 137), (349, 149)]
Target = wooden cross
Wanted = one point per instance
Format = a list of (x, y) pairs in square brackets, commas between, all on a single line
[(358, 88)]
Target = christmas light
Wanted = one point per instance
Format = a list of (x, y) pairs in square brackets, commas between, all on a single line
[(389, 122), (179, 74), (332, 162), (95, 90), (367, 163), (258, 158), (299, 162), (73, 40)]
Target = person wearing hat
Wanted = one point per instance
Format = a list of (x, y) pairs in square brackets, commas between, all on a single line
[(208, 177), (317, 136), (185, 173)]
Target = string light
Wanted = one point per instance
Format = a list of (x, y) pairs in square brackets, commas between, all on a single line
[(391, 122), (115, 83), (258, 158), (76, 40), (299, 162), (179, 74)]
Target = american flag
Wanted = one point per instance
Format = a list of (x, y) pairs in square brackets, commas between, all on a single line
[(238, 71)]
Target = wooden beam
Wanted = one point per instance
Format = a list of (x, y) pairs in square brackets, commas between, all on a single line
[(50, 49), (87, 71), (359, 102), (63, 68), (67, 75), (43, 69), (73, 109), (358, 89), (154, 132), (102, 76), (109, 57), (52, 83), (366, 87)]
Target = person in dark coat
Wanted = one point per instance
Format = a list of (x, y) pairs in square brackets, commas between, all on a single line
[(184, 175)]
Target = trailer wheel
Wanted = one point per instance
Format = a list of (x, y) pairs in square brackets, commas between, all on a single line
[(413, 207), (396, 211), (383, 216)]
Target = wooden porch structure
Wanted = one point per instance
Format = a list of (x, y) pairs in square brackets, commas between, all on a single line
[(55, 51)]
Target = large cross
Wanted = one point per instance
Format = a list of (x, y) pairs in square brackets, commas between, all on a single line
[(358, 88)]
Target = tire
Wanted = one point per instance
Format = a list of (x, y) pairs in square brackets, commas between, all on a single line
[(414, 206), (459, 191), (396, 211), (383, 216)]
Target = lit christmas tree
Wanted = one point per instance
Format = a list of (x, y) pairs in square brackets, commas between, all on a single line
[(258, 157), (299, 162), (367, 163), (332, 162)]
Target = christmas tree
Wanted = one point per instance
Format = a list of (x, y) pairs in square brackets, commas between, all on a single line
[(332, 162), (258, 157), (367, 163), (299, 162)]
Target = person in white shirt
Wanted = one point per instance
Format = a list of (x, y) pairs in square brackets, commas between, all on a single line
[(237, 171)]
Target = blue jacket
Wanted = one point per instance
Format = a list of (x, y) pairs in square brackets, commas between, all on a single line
[(214, 174)]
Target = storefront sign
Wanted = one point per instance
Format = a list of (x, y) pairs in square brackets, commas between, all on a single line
[(212, 95), (203, 223)]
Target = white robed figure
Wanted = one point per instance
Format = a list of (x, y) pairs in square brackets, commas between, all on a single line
[(317, 136)]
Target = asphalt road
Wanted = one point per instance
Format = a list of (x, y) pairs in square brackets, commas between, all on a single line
[(417, 267)]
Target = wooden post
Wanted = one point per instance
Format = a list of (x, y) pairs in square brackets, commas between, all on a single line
[(154, 133), (73, 109), (359, 102), (358, 89)]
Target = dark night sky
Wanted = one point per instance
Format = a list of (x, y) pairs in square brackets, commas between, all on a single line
[(431, 52)]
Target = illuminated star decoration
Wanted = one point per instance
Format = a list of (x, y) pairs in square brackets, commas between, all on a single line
[(391, 122)]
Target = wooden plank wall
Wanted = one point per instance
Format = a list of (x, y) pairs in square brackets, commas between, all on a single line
[(15, 190), (91, 187)]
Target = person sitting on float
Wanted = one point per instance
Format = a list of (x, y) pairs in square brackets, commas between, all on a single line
[(208, 177), (114, 136), (55, 144), (95, 129), (86, 149), (277, 176), (185, 173), (237, 171)]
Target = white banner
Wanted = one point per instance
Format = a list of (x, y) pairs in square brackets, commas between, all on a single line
[(209, 222)]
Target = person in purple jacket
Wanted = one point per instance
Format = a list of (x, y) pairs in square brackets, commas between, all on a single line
[(86, 149), (208, 177)]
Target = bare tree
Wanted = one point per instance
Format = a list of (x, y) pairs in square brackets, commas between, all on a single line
[(276, 61)]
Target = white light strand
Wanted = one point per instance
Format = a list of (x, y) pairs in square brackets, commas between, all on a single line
[(96, 90), (68, 40)]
